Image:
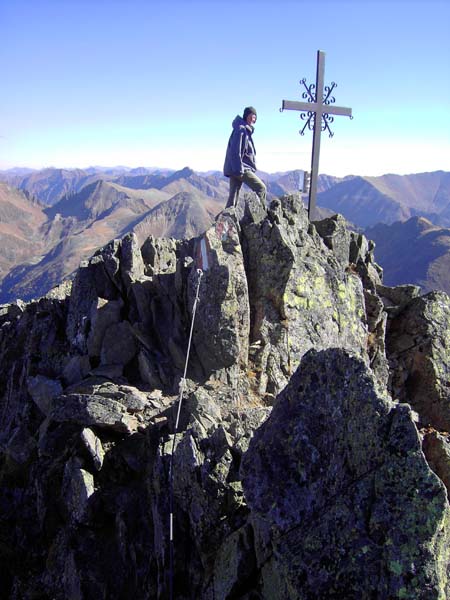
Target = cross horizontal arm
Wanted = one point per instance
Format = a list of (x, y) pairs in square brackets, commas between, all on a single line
[(337, 110), (314, 107), (294, 105)]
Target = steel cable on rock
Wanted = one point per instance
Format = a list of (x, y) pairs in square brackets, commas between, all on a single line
[(177, 420)]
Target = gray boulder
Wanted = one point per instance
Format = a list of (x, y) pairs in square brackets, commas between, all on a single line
[(418, 348), (300, 295), (43, 390), (92, 410), (223, 316), (77, 487), (94, 447), (342, 500)]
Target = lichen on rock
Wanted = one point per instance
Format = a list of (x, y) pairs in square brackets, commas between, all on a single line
[(299, 469), (342, 500)]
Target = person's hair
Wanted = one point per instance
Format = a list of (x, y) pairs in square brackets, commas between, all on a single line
[(249, 111)]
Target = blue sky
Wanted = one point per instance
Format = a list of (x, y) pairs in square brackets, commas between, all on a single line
[(150, 83)]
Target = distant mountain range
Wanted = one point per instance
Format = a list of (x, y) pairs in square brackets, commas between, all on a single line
[(51, 219), (21, 219), (366, 201), (415, 251)]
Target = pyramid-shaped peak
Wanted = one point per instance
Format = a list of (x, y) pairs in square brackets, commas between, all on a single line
[(182, 173)]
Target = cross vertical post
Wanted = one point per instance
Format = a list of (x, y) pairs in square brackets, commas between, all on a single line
[(320, 70), (316, 112)]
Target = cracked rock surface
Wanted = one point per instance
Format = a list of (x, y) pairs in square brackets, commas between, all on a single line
[(311, 459)]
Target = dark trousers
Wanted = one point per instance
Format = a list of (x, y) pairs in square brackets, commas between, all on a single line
[(253, 182)]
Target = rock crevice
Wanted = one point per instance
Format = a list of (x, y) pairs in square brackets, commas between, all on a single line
[(311, 459)]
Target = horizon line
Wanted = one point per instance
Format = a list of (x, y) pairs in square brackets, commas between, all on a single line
[(200, 172)]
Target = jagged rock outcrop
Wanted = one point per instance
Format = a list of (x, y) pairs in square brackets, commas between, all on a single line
[(301, 296), (419, 349), (294, 473), (342, 501)]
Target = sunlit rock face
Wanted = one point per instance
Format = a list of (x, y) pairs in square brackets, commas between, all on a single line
[(306, 465)]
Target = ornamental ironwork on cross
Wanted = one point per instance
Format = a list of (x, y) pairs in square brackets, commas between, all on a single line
[(317, 113)]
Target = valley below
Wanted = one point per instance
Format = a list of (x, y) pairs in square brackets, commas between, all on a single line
[(51, 220)]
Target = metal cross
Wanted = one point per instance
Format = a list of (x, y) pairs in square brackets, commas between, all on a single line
[(316, 112)]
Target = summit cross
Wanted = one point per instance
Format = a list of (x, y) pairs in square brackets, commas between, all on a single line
[(316, 111)]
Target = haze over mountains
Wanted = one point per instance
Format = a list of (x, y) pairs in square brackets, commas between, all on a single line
[(390, 198), (52, 218), (415, 251)]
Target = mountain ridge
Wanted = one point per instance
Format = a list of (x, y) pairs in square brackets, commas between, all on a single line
[(415, 251), (426, 193), (94, 203), (255, 394)]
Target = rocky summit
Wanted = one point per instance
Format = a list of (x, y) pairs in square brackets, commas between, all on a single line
[(301, 453)]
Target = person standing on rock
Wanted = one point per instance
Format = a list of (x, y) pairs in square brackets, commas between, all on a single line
[(240, 163)]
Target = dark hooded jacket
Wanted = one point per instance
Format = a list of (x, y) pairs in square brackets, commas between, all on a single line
[(241, 153)]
